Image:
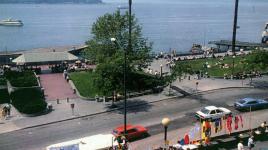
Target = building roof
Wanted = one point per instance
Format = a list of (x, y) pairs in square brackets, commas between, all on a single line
[(44, 57)]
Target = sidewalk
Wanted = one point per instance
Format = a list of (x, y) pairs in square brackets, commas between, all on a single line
[(63, 110), (210, 84), (173, 136)]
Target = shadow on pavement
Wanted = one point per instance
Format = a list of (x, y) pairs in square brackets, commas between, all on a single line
[(260, 84), (133, 106)]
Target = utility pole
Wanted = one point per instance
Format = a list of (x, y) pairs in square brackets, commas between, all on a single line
[(234, 27), (125, 66), (234, 34)]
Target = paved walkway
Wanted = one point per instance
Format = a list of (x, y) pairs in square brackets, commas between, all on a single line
[(207, 84), (56, 87), (173, 136), (63, 110)]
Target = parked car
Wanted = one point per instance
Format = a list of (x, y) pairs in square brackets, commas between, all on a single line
[(133, 132), (246, 103), (212, 113)]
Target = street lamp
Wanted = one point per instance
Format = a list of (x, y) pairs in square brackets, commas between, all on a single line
[(125, 91), (165, 123), (233, 66)]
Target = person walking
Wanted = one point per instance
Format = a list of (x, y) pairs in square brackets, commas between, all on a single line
[(240, 146), (250, 142)]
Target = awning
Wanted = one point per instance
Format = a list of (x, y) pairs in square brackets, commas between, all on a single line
[(44, 57), (95, 142)]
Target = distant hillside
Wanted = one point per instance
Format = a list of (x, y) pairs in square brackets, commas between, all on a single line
[(52, 1)]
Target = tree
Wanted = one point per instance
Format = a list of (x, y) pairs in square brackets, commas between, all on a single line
[(115, 25), (108, 75), (178, 70), (109, 56)]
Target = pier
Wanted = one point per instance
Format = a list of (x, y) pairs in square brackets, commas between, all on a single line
[(238, 45)]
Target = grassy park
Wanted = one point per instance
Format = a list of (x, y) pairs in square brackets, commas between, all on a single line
[(84, 83), (217, 67)]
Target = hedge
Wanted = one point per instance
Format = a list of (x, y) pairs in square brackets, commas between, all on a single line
[(28, 101), (21, 79), (3, 81), (4, 96)]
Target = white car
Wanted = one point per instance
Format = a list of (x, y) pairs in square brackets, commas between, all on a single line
[(212, 112)]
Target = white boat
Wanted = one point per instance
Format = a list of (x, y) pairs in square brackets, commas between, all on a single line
[(11, 22)]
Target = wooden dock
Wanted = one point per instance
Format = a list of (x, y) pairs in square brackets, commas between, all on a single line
[(238, 44)]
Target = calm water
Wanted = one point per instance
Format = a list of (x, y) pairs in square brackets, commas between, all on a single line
[(168, 24)]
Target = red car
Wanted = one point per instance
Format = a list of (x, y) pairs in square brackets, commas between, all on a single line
[(133, 132)]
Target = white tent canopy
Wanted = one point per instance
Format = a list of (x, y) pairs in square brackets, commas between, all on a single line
[(44, 57), (95, 142)]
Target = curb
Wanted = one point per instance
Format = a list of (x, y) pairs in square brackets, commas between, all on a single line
[(200, 92), (93, 114), (114, 109)]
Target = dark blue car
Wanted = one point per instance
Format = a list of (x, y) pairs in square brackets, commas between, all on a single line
[(246, 103)]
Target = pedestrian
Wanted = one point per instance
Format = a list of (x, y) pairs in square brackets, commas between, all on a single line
[(240, 146), (250, 142), (3, 113), (262, 128)]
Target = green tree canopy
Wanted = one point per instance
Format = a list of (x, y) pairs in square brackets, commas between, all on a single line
[(109, 56), (114, 25)]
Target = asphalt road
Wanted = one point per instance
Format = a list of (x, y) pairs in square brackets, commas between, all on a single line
[(180, 110)]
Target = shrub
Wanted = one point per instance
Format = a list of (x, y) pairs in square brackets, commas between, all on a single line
[(138, 81), (28, 101), (3, 81), (4, 96), (21, 79)]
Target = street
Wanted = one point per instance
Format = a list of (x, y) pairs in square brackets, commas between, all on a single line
[(179, 110)]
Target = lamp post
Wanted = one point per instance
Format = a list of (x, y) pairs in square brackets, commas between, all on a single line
[(161, 70), (125, 91), (165, 123)]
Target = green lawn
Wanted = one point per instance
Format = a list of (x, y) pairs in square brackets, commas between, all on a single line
[(4, 96), (214, 63), (84, 83)]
